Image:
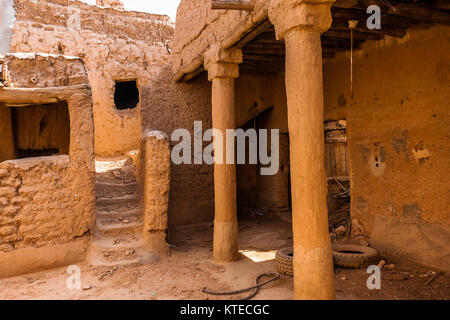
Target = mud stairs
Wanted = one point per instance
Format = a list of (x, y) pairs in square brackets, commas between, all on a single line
[(118, 233)]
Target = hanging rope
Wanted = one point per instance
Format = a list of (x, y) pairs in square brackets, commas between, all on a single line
[(352, 24)]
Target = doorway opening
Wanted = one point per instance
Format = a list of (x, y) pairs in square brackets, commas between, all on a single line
[(126, 95)]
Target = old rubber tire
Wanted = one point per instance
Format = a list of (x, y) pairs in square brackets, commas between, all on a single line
[(353, 256), (285, 261)]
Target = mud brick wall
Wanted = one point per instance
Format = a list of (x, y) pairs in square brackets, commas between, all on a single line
[(398, 135), (156, 163), (37, 207), (47, 204), (115, 45)]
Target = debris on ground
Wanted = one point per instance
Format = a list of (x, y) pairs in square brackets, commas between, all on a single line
[(341, 230)]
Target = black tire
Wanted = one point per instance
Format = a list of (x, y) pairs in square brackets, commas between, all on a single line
[(285, 261), (353, 256)]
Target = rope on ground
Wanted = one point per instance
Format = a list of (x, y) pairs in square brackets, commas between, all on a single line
[(275, 276)]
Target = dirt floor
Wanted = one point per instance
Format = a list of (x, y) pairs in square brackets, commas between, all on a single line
[(189, 269)]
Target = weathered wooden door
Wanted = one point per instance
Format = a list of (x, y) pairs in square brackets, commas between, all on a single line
[(336, 155)]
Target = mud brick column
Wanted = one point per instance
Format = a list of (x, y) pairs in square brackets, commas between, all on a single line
[(223, 69), (300, 23), (156, 163)]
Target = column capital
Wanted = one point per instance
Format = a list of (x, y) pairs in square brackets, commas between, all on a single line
[(310, 15), (222, 63)]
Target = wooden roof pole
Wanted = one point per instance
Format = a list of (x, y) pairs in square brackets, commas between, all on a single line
[(245, 5)]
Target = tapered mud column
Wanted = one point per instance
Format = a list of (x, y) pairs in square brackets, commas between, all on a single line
[(222, 69), (300, 23)]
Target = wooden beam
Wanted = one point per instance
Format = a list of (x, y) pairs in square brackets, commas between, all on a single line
[(256, 32), (421, 13), (263, 65), (393, 31), (189, 68), (258, 72), (440, 4), (28, 96), (261, 49), (189, 76), (339, 43), (357, 4), (409, 10), (361, 16), (269, 42), (262, 58), (345, 34), (246, 5)]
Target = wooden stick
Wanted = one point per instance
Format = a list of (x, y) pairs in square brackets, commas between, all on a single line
[(27, 96), (232, 5)]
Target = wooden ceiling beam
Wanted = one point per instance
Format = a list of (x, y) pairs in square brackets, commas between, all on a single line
[(254, 57), (245, 5), (440, 4), (421, 13), (335, 42), (346, 34), (393, 31), (387, 19), (256, 32), (410, 10), (259, 72), (259, 49)]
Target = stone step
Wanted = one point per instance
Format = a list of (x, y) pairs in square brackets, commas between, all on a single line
[(116, 194), (118, 203), (130, 241), (119, 176), (118, 229), (118, 200), (130, 214), (125, 256), (118, 252), (120, 221), (112, 190), (96, 258)]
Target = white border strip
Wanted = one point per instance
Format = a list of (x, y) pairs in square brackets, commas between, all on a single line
[(7, 19)]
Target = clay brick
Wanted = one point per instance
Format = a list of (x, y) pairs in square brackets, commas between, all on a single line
[(11, 210), (3, 173), (7, 192), (7, 230), (4, 201)]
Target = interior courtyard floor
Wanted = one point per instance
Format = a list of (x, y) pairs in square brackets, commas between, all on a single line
[(189, 268)]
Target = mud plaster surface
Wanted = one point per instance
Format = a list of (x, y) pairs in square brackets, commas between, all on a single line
[(115, 45)]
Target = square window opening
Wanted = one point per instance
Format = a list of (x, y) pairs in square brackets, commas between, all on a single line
[(35, 131), (126, 95)]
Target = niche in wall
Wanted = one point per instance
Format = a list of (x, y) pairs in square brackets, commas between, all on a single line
[(126, 95), (40, 130)]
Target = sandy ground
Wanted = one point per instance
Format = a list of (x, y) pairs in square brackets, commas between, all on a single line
[(189, 269)]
